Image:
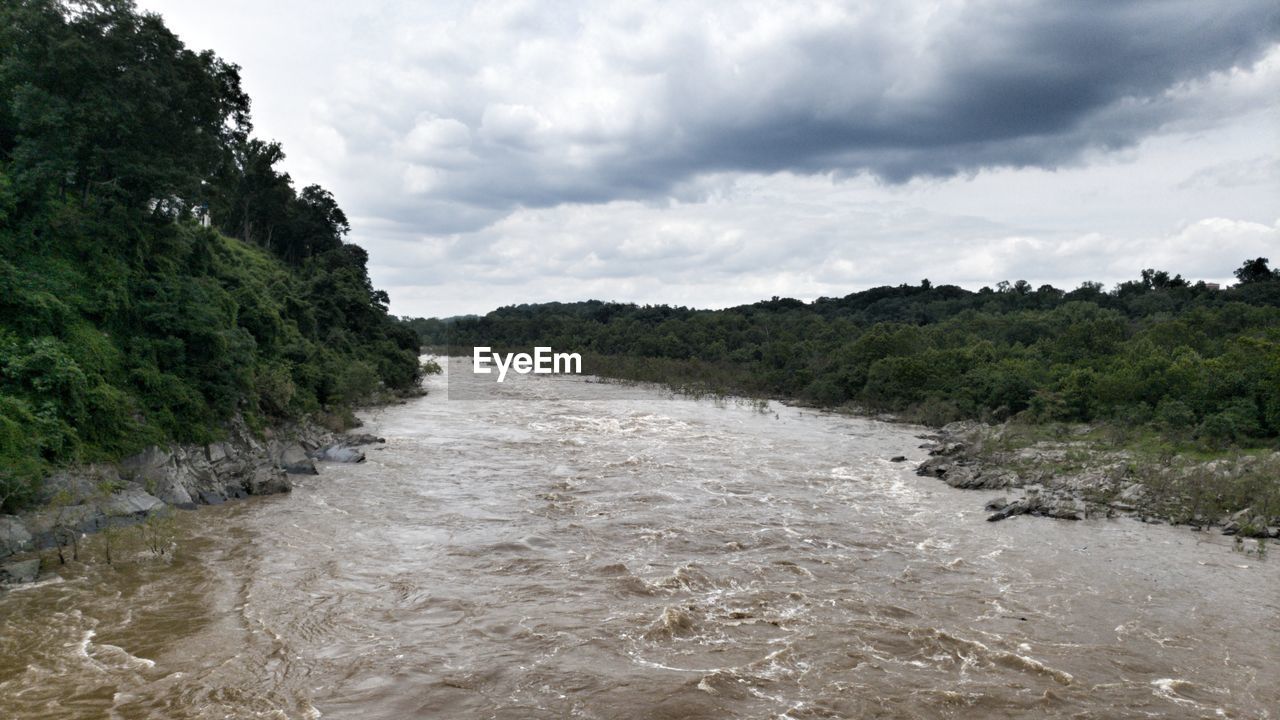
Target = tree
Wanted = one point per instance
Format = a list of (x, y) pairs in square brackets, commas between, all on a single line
[(1255, 271), (107, 102)]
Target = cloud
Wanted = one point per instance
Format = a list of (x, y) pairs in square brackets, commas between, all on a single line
[(1261, 170), (715, 153), (790, 235), (511, 105)]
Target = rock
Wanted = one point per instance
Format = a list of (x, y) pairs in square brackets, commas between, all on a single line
[(898, 458), (175, 493), (948, 449), (14, 536), (302, 467), (293, 458), (47, 526), (934, 467), (76, 485), (269, 481), (1240, 516), (355, 439), (289, 454), (1064, 509), (1019, 507), (961, 427), (217, 452), (961, 476), (130, 502), (341, 453), (997, 504), (211, 498), (20, 572), (1255, 527), (1132, 493), (968, 477)]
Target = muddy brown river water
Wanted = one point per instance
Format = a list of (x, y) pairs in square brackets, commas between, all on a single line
[(585, 550)]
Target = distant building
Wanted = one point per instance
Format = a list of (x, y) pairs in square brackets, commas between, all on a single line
[(1213, 286)]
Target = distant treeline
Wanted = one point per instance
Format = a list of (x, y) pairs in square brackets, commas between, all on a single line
[(1191, 360), (158, 273)]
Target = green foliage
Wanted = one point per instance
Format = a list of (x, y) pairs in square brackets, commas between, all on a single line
[(123, 321), (1159, 352), (1174, 416)]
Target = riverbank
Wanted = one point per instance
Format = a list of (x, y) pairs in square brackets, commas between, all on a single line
[(588, 549), (142, 488), (1068, 472)]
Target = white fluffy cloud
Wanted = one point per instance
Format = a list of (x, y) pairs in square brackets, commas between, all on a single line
[(712, 154)]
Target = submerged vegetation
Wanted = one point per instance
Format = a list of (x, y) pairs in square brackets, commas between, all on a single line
[(1156, 360), (158, 273)]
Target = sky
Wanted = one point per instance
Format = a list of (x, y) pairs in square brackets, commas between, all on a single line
[(713, 154)]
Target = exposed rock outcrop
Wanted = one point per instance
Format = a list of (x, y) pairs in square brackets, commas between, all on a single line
[(91, 497), (1072, 479), (341, 453), (14, 536), (20, 571)]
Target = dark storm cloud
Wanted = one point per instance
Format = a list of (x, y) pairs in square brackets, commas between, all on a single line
[(893, 93), (714, 153)]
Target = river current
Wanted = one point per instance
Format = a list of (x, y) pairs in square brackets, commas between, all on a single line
[(587, 550)]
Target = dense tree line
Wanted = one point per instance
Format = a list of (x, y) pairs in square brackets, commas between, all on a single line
[(1190, 360), (158, 273)]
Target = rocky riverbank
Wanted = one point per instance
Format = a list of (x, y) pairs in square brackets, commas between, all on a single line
[(91, 498), (1072, 477)]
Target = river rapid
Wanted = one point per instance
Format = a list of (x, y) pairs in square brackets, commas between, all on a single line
[(587, 550)]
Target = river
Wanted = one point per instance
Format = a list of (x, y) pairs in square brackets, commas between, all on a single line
[(587, 550)]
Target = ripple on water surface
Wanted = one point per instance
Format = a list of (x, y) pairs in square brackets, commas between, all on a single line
[(600, 551)]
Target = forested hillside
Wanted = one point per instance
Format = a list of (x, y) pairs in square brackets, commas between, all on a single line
[(158, 273), (1191, 361)]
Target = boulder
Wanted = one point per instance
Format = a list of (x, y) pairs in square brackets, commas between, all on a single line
[(947, 449), (268, 480), (302, 467), (47, 526), (78, 484), (174, 492), (898, 458), (217, 452), (971, 478), (935, 467), (293, 458), (14, 536), (354, 439), (130, 502), (341, 453), (1240, 516), (20, 572), (154, 463), (1018, 507), (997, 504), (1063, 509), (208, 497)]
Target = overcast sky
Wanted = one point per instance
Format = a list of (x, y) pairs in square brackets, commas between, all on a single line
[(711, 154)]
